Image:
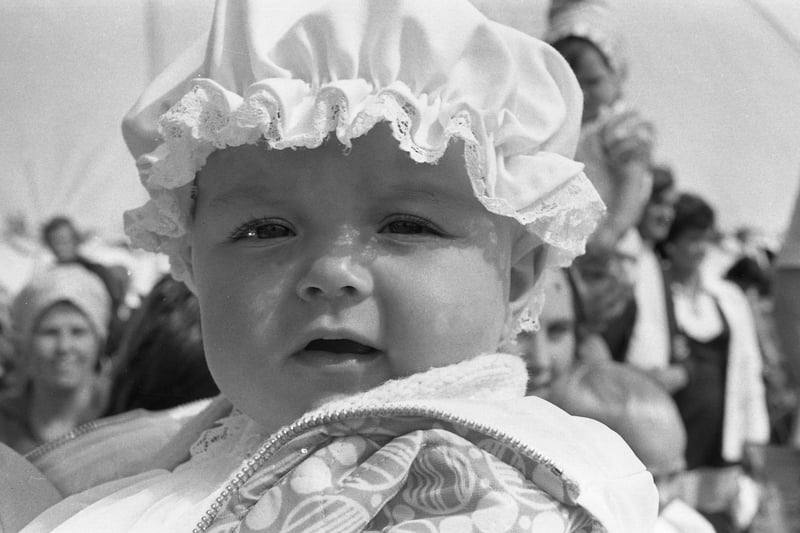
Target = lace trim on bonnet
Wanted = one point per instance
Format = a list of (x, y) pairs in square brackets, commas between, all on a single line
[(285, 113)]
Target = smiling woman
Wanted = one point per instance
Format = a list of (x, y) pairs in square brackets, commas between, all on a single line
[(60, 320)]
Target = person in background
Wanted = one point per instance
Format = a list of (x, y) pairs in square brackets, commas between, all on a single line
[(63, 239), (644, 414), (604, 304), (560, 342), (60, 321), (753, 264), (752, 270), (786, 309), (715, 373), (9, 373), (616, 143), (550, 351), (643, 335), (161, 363)]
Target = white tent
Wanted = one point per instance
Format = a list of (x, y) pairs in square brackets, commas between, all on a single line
[(720, 78)]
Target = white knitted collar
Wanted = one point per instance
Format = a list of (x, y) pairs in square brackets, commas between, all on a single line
[(490, 377)]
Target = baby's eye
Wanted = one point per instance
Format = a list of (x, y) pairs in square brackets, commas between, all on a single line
[(408, 225), (263, 229)]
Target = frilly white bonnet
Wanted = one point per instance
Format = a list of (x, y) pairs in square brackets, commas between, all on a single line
[(61, 283), (288, 74)]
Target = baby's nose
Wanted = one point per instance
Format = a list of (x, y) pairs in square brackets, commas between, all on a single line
[(335, 276)]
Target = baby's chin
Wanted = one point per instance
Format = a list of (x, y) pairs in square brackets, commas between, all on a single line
[(282, 402)]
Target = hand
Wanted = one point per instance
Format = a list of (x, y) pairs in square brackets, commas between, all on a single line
[(604, 287), (673, 378), (627, 137)]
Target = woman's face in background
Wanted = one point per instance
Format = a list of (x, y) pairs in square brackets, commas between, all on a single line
[(688, 250), (658, 216), (599, 83), (64, 348), (550, 352)]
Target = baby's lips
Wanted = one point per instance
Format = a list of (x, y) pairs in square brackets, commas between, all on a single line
[(339, 346)]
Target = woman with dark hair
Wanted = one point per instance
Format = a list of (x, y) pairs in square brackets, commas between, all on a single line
[(722, 398), (715, 372)]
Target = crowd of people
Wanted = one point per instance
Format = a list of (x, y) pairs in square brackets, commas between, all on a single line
[(406, 306)]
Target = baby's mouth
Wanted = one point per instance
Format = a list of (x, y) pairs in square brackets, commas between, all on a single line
[(339, 346), (335, 351)]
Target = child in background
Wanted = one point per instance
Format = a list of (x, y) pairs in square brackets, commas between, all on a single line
[(645, 416), (354, 295), (615, 142)]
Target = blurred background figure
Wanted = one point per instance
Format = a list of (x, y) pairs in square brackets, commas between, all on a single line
[(616, 143), (787, 309), (63, 239), (161, 363), (551, 351), (715, 373), (21, 254), (646, 340), (10, 379), (60, 322), (752, 268), (560, 342), (645, 416), (603, 285)]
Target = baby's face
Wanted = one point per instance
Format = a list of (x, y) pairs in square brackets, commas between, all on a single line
[(321, 275)]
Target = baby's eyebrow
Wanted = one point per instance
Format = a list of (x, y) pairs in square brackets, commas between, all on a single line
[(240, 195), (429, 193)]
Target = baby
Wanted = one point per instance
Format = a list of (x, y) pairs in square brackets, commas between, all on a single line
[(361, 194)]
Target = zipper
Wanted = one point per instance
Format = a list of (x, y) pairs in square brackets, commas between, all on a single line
[(283, 436), (78, 431)]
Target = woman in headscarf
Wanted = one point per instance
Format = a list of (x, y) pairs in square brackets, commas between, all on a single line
[(60, 323)]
